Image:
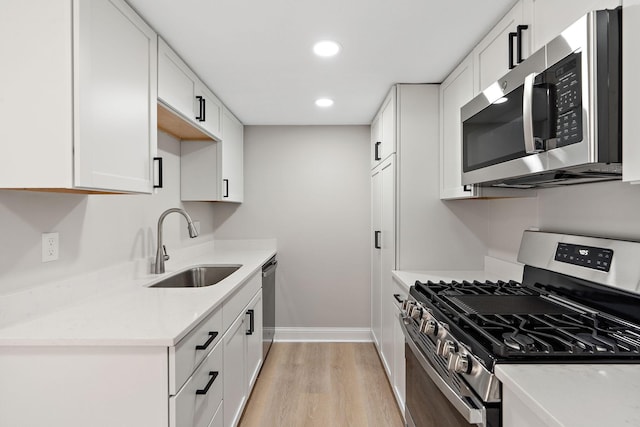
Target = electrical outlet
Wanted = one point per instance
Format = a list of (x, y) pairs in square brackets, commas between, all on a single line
[(50, 247)]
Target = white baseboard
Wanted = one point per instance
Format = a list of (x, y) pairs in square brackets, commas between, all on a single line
[(323, 334)]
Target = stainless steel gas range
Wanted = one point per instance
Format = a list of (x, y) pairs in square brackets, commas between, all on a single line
[(577, 303)]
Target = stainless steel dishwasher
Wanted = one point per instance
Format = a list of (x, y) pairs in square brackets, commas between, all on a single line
[(268, 305)]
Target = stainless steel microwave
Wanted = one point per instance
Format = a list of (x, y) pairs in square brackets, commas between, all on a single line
[(556, 118)]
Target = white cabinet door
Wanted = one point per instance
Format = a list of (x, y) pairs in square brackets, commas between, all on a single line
[(376, 253), (115, 72), (455, 91), (383, 130), (388, 121), (232, 158), (631, 98), (376, 141), (492, 54), (387, 257), (90, 68), (208, 110), (551, 17), (235, 383), (176, 82), (398, 362), (254, 340)]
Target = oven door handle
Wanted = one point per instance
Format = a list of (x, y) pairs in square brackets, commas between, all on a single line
[(472, 415)]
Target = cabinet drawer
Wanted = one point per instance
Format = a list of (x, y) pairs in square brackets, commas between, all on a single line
[(239, 300), (189, 352), (197, 402)]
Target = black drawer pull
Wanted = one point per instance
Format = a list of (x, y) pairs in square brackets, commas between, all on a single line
[(212, 336), (519, 30), (398, 298), (214, 375), (376, 155), (512, 37), (376, 239), (252, 329)]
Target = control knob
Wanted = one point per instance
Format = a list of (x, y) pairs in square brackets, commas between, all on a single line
[(416, 312), (444, 348), (429, 327), (459, 363), (407, 305)]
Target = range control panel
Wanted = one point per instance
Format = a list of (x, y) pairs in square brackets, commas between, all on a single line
[(585, 256)]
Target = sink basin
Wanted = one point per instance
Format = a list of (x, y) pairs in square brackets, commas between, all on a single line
[(197, 277)]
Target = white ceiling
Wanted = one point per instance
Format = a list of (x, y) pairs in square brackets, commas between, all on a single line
[(256, 55)]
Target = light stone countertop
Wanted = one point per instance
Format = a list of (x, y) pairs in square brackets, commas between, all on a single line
[(577, 395), (126, 311)]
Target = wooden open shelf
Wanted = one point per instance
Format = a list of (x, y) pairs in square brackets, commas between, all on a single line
[(175, 125)]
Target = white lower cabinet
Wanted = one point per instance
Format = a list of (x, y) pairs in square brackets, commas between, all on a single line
[(243, 359), (198, 400), (235, 389), (398, 371), (202, 381)]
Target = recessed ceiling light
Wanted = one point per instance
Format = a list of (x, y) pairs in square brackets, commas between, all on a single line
[(326, 48), (501, 100), (324, 102)]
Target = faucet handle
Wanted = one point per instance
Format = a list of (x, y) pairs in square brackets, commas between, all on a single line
[(165, 256)]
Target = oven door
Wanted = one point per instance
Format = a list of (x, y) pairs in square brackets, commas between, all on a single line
[(430, 400)]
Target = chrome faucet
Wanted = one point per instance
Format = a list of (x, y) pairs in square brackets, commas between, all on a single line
[(161, 253)]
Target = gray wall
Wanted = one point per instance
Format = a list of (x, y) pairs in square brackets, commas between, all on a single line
[(96, 231), (609, 209), (309, 187)]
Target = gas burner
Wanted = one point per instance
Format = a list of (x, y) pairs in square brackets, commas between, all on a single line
[(595, 343), (517, 341)]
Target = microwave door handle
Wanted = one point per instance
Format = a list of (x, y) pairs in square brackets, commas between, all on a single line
[(527, 115)]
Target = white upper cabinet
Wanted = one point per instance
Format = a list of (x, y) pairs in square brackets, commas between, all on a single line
[(213, 170), (506, 45), (551, 17), (209, 110), (89, 69), (176, 82), (232, 158), (383, 130), (182, 92), (455, 91)]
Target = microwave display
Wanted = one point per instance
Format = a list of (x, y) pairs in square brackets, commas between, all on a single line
[(568, 100)]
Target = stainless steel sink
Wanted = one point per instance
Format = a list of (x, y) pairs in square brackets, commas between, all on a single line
[(197, 277)]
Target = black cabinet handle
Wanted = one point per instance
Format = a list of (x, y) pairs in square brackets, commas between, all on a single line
[(519, 30), (226, 188), (512, 36), (377, 151), (398, 298), (376, 239), (251, 330), (159, 184), (467, 187), (212, 336), (205, 390), (200, 116)]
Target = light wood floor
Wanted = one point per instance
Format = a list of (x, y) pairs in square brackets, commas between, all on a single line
[(322, 384)]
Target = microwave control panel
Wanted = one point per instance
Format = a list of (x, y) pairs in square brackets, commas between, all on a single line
[(585, 256), (567, 80)]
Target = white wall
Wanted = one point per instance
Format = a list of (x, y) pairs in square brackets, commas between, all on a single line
[(608, 209), (308, 186), (96, 231)]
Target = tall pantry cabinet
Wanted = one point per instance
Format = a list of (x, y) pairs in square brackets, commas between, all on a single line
[(404, 136)]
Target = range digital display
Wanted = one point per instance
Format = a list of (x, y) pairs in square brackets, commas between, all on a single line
[(585, 256)]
